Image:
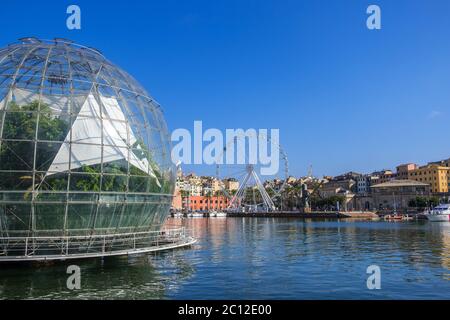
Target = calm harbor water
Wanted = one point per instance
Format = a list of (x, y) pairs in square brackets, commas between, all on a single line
[(261, 258)]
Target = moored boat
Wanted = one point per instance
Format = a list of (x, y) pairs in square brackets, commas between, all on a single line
[(393, 217), (178, 215), (218, 214), (440, 213), (196, 215)]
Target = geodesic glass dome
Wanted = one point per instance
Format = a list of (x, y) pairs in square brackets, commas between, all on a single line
[(84, 149)]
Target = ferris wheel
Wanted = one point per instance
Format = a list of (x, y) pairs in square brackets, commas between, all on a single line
[(244, 182)]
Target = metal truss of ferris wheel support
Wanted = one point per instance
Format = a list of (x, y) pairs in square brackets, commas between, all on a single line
[(239, 196)]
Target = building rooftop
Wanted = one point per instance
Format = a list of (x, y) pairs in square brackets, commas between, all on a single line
[(400, 183), (434, 166)]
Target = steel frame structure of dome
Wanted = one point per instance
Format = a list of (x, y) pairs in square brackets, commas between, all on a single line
[(85, 166)]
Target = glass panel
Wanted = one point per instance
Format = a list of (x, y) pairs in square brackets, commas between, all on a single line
[(49, 195), (139, 184), (143, 156), (114, 160), (108, 216), (14, 196), (148, 215), (53, 128), (20, 125), (2, 113), (116, 133), (80, 217), (16, 216), (46, 153), (16, 181), (116, 167), (16, 155), (55, 182), (84, 182), (83, 197), (50, 216), (116, 183), (86, 158), (131, 215), (106, 91)]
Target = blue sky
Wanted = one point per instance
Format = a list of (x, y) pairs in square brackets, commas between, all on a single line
[(344, 97)]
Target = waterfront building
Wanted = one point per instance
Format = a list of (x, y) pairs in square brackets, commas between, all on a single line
[(347, 176), (363, 202), (443, 163), (396, 194), (404, 170), (275, 184), (438, 177), (180, 183), (345, 188), (216, 186), (192, 178), (384, 175), (291, 180), (231, 185), (346, 181), (195, 189), (211, 185), (203, 203), (364, 182), (207, 190)]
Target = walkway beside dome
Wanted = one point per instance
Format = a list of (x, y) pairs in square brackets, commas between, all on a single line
[(28, 249)]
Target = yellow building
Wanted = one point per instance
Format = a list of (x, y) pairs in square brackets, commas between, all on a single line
[(231, 185), (438, 177)]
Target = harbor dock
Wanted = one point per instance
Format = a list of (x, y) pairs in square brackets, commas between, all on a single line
[(305, 215), (302, 215)]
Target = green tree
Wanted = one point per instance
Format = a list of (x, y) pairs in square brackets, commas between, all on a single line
[(328, 203), (21, 124), (423, 202), (17, 154)]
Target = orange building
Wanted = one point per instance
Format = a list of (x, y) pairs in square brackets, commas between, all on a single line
[(199, 203)]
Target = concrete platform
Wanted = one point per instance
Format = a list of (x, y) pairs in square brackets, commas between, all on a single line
[(288, 214)]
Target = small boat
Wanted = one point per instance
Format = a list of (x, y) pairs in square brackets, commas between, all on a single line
[(393, 217), (178, 215), (440, 213), (196, 215), (407, 217), (218, 214)]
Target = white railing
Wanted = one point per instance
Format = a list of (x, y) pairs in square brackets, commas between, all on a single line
[(43, 248)]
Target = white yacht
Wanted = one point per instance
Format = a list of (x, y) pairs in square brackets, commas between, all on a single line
[(178, 215), (439, 213), (196, 215), (218, 214)]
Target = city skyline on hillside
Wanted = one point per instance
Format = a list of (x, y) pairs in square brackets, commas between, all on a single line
[(335, 89)]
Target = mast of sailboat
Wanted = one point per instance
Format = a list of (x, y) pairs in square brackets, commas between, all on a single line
[(395, 204)]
